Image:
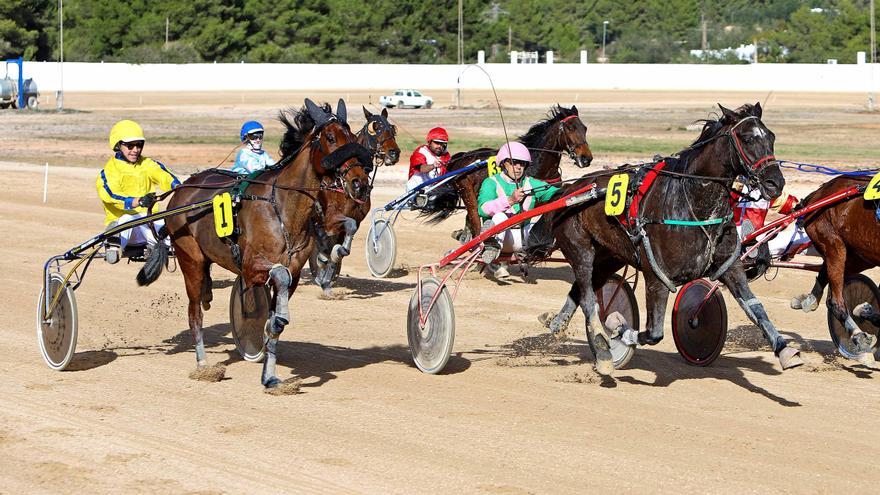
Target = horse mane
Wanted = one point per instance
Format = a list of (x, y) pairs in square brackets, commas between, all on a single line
[(298, 124), (533, 137)]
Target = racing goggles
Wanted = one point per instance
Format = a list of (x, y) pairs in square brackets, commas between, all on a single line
[(133, 144), (441, 144), (255, 135), (518, 163)]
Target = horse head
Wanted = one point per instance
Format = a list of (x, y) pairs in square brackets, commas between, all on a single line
[(379, 136), (751, 144), (573, 138), (335, 151)]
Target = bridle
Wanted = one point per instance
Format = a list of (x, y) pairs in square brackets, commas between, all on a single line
[(340, 155), (570, 148), (375, 141)]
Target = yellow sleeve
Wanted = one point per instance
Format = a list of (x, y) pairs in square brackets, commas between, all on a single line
[(108, 188), (162, 177)]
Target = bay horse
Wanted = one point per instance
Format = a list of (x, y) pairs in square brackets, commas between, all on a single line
[(847, 236), (275, 236), (338, 216), (650, 236), (562, 131)]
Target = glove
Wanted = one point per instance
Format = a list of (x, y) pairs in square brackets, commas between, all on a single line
[(147, 200)]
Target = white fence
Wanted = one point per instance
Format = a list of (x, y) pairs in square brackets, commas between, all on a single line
[(226, 77)]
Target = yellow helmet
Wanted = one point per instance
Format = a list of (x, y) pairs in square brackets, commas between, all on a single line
[(126, 131)]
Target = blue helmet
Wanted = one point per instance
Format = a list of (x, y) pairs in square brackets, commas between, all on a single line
[(249, 127)]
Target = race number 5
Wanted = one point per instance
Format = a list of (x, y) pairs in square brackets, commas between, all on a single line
[(615, 196), (492, 166), (223, 214), (873, 190)]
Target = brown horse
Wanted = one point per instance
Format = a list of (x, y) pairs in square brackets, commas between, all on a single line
[(681, 229), (337, 216), (275, 237), (561, 132), (847, 236)]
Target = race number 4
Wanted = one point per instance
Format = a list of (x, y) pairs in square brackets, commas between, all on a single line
[(873, 189), (492, 166), (223, 214), (615, 196)]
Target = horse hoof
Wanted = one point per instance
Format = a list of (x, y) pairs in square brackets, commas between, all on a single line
[(272, 382), (546, 318), (863, 311), (206, 305), (616, 323), (862, 342), (790, 358), (867, 359)]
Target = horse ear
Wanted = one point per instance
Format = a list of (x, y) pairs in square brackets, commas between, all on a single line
[(574, 109), (385, 113), (367, 113), (341, 112), (726, 112), (757, 111), (315, 112)]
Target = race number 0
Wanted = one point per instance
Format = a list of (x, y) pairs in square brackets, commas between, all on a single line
[(873, 189), (492, 166), (615, 196), (223, 214)]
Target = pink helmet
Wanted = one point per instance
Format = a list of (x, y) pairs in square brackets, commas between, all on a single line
[(513, 150)]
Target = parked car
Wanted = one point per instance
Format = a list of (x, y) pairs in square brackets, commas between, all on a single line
[(406, 98)]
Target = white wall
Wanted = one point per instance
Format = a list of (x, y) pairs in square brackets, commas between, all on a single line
[(214, 77)]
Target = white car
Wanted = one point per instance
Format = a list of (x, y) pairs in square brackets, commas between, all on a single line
[(406, 98)]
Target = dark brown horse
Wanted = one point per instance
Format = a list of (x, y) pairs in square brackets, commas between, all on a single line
[(847, 235), (692, 188), (275, 237), (338, 216), (562, 132)]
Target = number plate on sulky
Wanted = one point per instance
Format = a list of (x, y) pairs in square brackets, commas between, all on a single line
[(873, 190), (615, 196), (223, 214)]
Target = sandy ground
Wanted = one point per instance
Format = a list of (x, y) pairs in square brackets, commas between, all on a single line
[(511, 414)]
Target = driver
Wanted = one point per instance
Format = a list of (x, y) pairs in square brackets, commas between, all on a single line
[(127, 184), (429, 160), (505, 194), (251, 157), (751, 213)]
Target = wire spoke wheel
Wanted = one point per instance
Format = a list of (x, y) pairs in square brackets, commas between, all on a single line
[(431, 344), (248, 314), (699, 336), (857, 289), (618, 296), (381, 248), (57, 336)]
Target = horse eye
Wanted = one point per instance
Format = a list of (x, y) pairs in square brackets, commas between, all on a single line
[(331, 139)]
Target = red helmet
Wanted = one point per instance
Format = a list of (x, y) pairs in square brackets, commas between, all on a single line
[(438, 134)]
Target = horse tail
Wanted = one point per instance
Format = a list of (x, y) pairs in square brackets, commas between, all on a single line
[(153, 265), (442, 204)]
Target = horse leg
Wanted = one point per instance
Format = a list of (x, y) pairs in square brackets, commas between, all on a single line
[(810, 301), (193, 265), (736, 281), (282, 280), (583, 272), (469, 196), (207, 294), (559, 322), (656, 298), (339, 251), (835, 260)]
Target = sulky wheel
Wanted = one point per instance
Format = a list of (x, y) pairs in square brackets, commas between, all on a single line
[(618, 296), (381, 248), (57, 336), (699, 337), (431, 344), (857, 289), (248, 314)]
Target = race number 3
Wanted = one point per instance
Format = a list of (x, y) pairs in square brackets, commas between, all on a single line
[(873, 190), (223, 214), (492, 166), (615, 196)]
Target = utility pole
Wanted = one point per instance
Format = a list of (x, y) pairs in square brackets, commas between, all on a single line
[(59, 95), (705, 44), (509, 38), (873, 60), (166, 32), (460, 33)]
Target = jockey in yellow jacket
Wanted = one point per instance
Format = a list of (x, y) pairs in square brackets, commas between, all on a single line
[(127, 184)]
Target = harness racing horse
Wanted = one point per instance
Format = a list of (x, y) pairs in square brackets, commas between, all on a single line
[(338, 216), (275, 237), (561, 132), (847, 236), (677, 230)]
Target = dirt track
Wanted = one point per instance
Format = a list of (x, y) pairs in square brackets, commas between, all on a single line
[(512, 414)]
